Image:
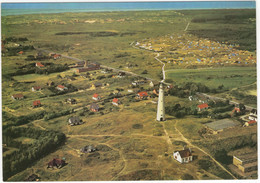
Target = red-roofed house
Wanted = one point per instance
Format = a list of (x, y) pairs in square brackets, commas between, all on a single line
[(20, 52), (36, 88), (183, 156), (37, 103), (202, 107), (17, 96), (250, 123), (38, 64), (61, 87), (96, 96), (116, 102), (56, 56), (142, 95)]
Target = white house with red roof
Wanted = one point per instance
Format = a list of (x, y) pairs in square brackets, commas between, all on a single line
[(202, 107), (61, 88), (183, 156), (39, 65), (116, 102), (17, 96), (36, 88), (96, 97), (142, 95)]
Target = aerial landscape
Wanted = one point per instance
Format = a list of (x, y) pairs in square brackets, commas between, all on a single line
[(129, 91)]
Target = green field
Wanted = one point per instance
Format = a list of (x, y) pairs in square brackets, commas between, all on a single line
[(230, 77)]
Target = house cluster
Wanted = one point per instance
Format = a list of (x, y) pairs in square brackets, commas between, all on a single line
[(85, 66), (197, 51)]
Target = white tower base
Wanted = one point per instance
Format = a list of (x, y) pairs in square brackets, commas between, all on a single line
[(160, 107)]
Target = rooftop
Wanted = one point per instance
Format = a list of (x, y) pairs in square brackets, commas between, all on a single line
[(221, 124)]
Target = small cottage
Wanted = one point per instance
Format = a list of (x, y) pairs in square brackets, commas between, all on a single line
[(183, 156), (74, 121), (36, 103), (56, 56), (87, 149), (61, 88), (202, 107), (56, 163), (94, 107), (121, 74), (96, 97), (36, 88), (39, 65), (142, 95), (116, 102), (17, 96)]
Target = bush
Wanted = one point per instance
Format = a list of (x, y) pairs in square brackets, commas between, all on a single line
[(187, 176), (137, 126)]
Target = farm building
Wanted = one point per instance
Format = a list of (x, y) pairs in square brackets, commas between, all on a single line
[(56, 163), (142, 95), (116, 102), (96, 96), (87, 149), (37, 103), (221, 124), (20, 52), (61, 88), (94, 107), (246, 162), (74, 121), (202, 107), (36, 88), (183, 156), (39, 65), (85, 66), (17, 96)]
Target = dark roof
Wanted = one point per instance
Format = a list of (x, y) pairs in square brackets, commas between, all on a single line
[(185, 153), (94, 106), (18, 95), (74, 119)]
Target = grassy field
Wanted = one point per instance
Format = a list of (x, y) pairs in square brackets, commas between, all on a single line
[(230, 77)]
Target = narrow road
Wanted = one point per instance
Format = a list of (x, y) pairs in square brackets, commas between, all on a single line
[(187, 27), (158, 54)]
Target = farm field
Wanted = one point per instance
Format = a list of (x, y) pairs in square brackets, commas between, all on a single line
[(43, 91)]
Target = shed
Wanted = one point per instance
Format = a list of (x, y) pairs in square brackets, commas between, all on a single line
[(74, 121)]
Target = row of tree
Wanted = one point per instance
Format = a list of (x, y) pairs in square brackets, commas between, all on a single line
[(26, 154)]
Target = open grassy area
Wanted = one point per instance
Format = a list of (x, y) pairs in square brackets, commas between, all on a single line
[(229, 77)]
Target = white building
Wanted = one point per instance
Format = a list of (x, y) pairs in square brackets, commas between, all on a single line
[(183, 156)]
